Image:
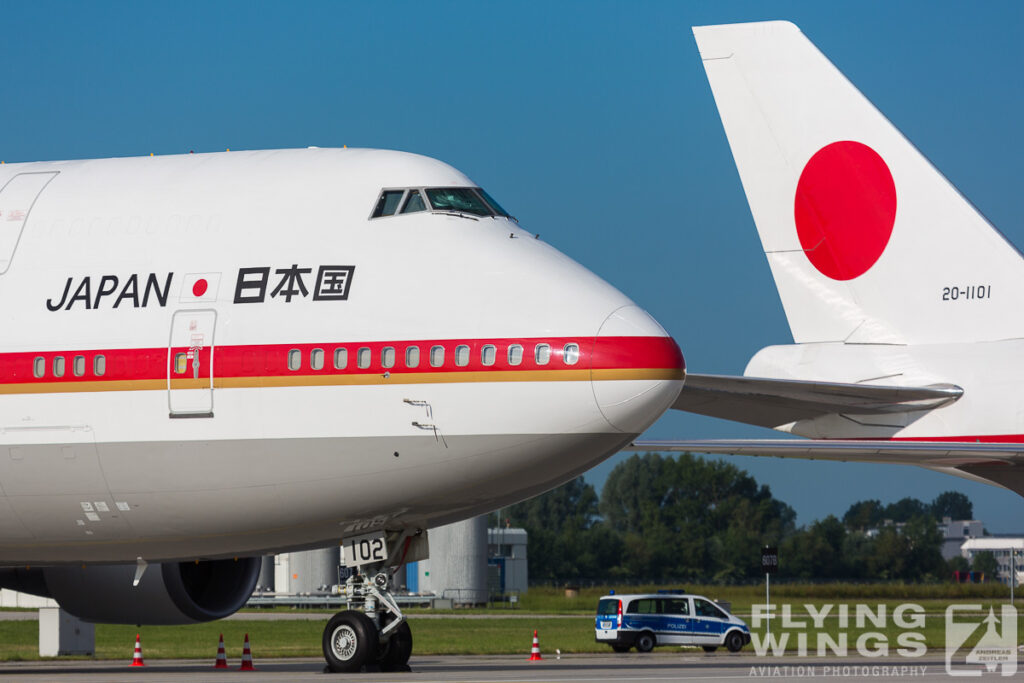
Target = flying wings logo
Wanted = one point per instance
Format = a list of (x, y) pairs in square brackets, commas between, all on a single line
[(976, 644), (252, 285)]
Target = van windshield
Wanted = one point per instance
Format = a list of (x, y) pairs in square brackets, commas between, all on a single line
[(608, 607)]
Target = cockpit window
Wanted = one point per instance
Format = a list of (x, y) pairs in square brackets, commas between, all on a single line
[(468, 201), (460, 199), (494, 205), (388, 203), (414, 202)]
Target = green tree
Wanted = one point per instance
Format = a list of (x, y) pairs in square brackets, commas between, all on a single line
[(904, 509), (566, 541), (924, 549), (888, 555), (952, 504), (863, 515), (689, 518), (986, 563), (816, 552)]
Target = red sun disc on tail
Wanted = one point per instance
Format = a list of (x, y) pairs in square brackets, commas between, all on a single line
[(199, 288), (845, 209)]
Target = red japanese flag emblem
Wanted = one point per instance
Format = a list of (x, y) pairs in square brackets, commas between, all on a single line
[(199, 287)]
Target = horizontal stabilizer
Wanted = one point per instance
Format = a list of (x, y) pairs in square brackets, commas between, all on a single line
[(776, 402), (998, 463)]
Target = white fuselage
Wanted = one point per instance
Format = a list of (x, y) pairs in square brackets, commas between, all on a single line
[(209, 428)]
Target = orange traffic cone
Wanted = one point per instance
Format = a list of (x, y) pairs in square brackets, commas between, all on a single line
[(137, 657), (222, 658), (535, 650), (246, 657)]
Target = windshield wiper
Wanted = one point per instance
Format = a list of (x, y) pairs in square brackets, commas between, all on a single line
[(452, 212)]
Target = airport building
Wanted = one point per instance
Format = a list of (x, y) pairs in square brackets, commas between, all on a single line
[(507, 573), (1008, 551), (955, 532)]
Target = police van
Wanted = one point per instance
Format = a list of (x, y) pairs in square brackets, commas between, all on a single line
[(644, 621)]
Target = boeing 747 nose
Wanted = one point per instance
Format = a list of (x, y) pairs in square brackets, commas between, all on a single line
[(637, 369)]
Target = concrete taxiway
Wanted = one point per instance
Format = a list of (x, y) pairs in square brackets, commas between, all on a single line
[(626, 668)]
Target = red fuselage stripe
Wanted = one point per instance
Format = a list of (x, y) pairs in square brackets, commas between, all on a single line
[(988, 438), (271, 360)]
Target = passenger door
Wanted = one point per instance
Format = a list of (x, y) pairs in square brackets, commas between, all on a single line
[(190, 363), (678, 623), (709, 622), (17, 198)]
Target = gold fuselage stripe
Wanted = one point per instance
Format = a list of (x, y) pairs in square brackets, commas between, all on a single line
[(328, 380)]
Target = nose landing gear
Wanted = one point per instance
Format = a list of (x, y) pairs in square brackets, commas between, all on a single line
[(376, 637)]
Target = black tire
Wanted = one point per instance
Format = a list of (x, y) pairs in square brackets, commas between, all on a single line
[(394, 654), (645, 642), (709, 648), (349, 642), (734, 641), (620, 648)]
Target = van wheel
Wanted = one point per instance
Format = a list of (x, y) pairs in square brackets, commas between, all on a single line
[(645, 642), (734, 641), (620, 648), (709, 648)]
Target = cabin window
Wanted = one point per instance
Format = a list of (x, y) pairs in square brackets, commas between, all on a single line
[(340, 359), (180, 361), (488, 354), (542, 354), (316, 359), (294, 359), (39, 366), (388, 203), (58, 366), (436, 356), (571, 354), (515, 354), (387, 356), (462, 355), (363, 358), (78, 366), (412, 356), (413, 202), (99, 365)]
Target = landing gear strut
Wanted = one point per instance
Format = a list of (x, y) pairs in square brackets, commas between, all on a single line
[(378, 636)]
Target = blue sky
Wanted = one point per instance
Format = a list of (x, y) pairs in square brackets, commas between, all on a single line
[(591, 121)]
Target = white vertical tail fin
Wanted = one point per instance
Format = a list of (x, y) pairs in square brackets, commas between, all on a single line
[(867, 241)]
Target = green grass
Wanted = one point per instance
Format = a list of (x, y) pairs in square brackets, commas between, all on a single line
[(272, 639), (449, 635), (453, 634), (502, 636)]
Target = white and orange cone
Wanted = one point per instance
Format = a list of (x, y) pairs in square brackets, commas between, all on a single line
[(535, 650), (222, 658), (246, 657), (137, 657)]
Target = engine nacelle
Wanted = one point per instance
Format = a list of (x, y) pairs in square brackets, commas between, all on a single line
[(168, 593)]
